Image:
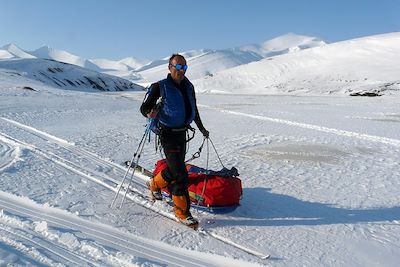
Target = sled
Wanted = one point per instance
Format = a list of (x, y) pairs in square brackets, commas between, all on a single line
[(211, 191)]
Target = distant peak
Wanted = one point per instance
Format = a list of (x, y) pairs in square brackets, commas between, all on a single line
[(293, 36), (44, 48), (16, 51), (10, 46), (290, 34)]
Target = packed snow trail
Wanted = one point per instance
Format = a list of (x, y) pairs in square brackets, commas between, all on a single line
[(379, 139), (69, 239), (74, 163), (310, 214)]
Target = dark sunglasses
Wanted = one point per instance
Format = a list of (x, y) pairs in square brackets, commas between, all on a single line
[(179, 67)]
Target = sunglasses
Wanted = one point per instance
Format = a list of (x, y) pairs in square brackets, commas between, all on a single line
[(179, 67)]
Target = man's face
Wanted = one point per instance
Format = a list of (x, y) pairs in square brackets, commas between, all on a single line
[(177, 75)]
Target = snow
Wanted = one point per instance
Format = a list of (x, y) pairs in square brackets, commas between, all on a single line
[(283, 44), (126, 64), (208, 62), (5, 54), (47, 52), (14, 51), (134, 63), (62, 75), (203, 62), (320, 171), (102, 65), (364, 64)]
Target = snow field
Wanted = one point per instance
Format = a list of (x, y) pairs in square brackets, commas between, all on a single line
[(303, 188), (320, 173)]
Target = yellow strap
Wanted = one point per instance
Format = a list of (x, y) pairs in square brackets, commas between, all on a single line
[(197, 197)]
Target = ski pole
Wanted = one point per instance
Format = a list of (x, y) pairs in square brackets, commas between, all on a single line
[(130, 165), (133, 172)]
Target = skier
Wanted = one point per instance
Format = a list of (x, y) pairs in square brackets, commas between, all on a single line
[(175, 113)]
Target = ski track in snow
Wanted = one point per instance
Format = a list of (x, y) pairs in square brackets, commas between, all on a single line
[(384, 140), (274, 226), (81, 246), (28, 237), (84, 158), (85, 164), (8, 155), (81, 161)]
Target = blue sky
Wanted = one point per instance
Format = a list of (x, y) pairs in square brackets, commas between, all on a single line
[(153, 29)]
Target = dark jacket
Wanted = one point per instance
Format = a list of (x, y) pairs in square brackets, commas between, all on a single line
[(184, 98)]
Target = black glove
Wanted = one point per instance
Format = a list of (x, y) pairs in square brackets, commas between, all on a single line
[(205, 133)]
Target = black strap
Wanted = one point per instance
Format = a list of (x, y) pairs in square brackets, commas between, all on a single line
[(197, 154), (193, 130)]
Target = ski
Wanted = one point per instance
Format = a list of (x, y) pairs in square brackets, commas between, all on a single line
[(162, 206), (231, 243), (136, 196), (139, 168), (158, 206)]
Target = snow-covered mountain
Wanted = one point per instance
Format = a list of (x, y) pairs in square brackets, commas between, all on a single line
[(202, 62), (102, 65), (63, 75), (289, 64), (132, 62), (207, 62), (360, 65), (283, 44), (46, 52), (125, 68), (13, 51)]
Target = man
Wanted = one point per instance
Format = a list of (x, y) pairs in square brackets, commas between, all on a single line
[(175, 113)]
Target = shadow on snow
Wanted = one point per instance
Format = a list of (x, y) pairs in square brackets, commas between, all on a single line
[(261, 207)]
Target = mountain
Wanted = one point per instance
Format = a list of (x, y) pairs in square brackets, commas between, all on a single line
[(64, 75), (202, 62), (102, 65), (207, 62), (125, 68), (200, 65), (360, 65), (4, 54), (133, 63), (13, 51), (76, 73), (289, 64), (283, 44), (126, 64), (46, 52)]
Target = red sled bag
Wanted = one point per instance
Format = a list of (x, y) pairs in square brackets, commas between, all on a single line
[(210, 188)]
